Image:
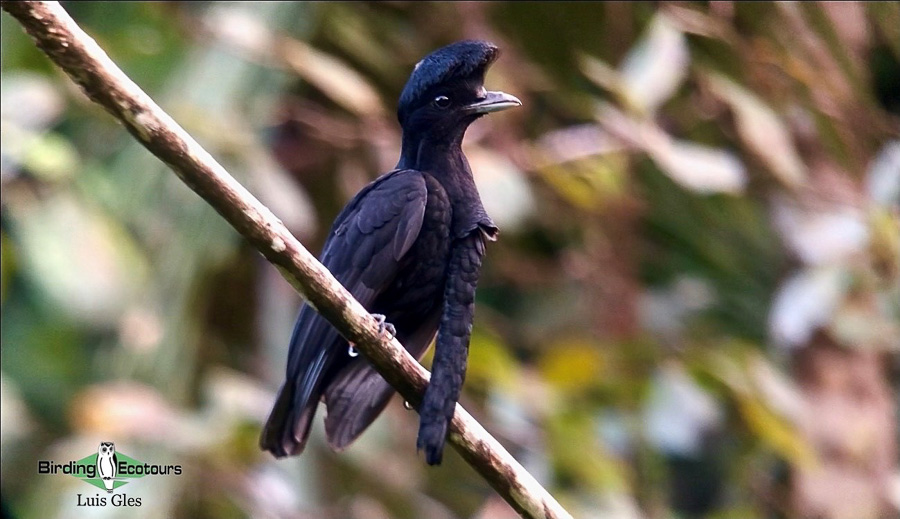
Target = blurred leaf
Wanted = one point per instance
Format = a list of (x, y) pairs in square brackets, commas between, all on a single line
[(702, 169), (48, 156), (143, 38), (820, 233), (277, 190), (7, 264), (51, 157), (572, 365), (886, 15), (344, 85), (573, 143), (780, 393), (573, 440), (806, 301), (14, 416), (693, 21), (743, 264), (241, 29), (655, 68), (588, 183), (667, 310), (584, 164), (40, 343), (825, 77), (490, 363), (678, 414), (861, 322), (607, 78), (30, 101), (354, 32), (505, 192), (883, 176), (768, 407), (124, 410), (699, 168), (885, 245), (86, 263), (761, 130), (650, 73), (231, 396), (776, 431), (842, 27)]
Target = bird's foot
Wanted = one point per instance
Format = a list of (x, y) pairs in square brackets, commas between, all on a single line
[(384, 325)]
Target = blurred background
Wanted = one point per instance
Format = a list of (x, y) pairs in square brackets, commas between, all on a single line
[(693, 310)]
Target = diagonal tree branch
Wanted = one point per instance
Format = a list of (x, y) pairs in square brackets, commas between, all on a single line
[(87, 64)]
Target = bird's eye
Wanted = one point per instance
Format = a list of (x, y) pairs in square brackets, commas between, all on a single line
[(442, 102)]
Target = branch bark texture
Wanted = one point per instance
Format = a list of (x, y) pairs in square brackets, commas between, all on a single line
[(79, 56)]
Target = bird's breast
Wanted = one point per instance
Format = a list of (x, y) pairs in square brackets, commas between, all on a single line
[(417, 291)]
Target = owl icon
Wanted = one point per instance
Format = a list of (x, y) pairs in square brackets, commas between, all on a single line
[(106, 465)]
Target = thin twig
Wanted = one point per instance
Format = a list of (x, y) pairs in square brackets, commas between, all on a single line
[(88, 65)]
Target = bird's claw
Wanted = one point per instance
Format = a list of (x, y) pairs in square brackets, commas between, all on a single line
[(384, 325)]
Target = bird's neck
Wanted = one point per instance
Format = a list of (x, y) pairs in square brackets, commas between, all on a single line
[(445, 161), (439, 156)]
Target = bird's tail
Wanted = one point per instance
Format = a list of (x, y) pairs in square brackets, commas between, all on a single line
[(287, 428), (309, 360)]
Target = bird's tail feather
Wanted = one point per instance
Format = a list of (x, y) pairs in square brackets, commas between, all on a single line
[(309, 359), (287, 428), (354, 400), (359, 394)]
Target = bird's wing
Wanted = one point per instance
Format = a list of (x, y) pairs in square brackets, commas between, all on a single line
[(363, 252), (115, 465), (367, 240), (374, 232)]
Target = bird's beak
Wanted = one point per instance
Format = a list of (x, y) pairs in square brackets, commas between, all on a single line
[(493, 102)]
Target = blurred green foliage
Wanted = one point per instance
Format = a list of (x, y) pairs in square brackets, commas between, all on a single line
[(690, 192)]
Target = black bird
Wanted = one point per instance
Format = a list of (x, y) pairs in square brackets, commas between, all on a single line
[(409, 248)]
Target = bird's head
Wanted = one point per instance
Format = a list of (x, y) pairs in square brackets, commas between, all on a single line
[(445, 91)]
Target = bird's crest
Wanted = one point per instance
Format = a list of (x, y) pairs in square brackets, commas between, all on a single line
[(467, 59)]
